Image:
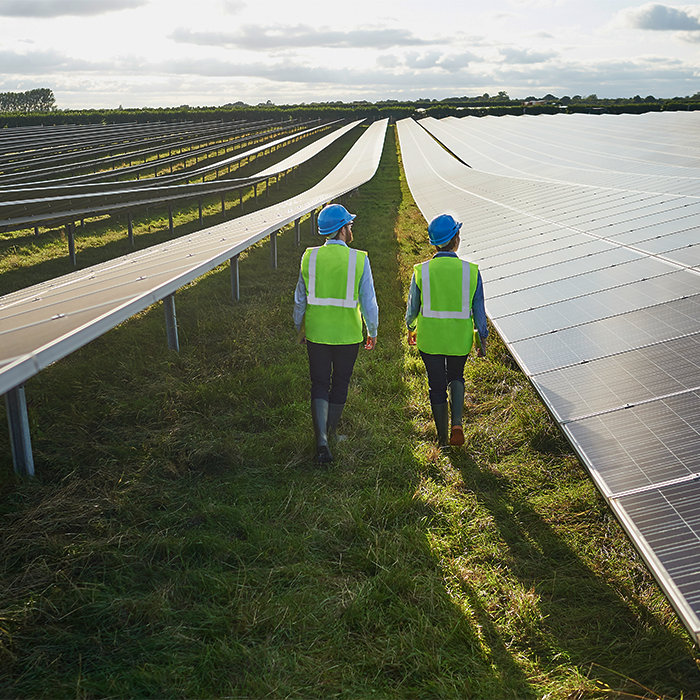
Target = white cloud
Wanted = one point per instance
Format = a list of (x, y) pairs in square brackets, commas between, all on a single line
[(232, 7), (259, 38), (524, 56), (662, 18), (64, 8)]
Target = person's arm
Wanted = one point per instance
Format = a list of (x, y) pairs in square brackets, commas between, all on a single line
[(300, 307), (368, 305), (412, 310), (479, 315)]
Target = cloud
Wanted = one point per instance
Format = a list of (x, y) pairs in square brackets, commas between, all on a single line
[(43, 63), (233, 7), (525, 56), (62, 8), (661, 18), (258, 38)]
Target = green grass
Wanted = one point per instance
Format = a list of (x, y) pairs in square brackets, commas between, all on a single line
[(180, 541)]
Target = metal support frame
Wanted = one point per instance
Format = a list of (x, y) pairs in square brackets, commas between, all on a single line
[(297, 233), (70, 232), (273, 250), (130, 229), (235, 279), (171, 322), (170, 219), (201, 218), (20, 440)]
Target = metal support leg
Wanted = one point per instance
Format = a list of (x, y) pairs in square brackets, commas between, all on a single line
[(171, 323), (130, 229), (255, 192), (223, 204), (18, 422), (297, 233), (235, 285), (70, 231), (201, 220), (170, 219), (273, 250)]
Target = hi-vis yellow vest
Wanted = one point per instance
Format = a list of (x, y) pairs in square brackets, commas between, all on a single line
[(332, 276), (445, 325)]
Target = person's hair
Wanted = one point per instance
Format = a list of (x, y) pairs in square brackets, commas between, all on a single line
[(449, 245)]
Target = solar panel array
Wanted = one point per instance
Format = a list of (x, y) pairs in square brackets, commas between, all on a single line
[(44, 323), (587, 233)]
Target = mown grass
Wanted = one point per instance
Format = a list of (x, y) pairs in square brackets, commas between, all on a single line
[(180, 541)]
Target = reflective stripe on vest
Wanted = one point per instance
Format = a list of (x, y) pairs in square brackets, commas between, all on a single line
[(428, 312), (349, 302)]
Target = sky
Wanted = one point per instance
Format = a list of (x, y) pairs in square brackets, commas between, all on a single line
[(167, 53)]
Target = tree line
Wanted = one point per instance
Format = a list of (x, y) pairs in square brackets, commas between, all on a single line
[(38, 100)]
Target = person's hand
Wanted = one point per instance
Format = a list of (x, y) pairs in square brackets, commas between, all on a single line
[(411, 337), (371, 342)]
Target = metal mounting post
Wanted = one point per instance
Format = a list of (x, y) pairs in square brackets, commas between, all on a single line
[(70, 232), (170, 218), (273, 250), (130, 229), (297, 233), (171, 322), (235, 285), (18, 421)]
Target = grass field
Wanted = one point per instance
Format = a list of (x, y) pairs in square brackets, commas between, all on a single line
[(180, 541)]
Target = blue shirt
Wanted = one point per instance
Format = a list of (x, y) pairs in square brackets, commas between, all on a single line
[(367, 297), (478, 310)]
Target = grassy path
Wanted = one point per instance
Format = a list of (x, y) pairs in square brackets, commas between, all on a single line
[(179, 540)]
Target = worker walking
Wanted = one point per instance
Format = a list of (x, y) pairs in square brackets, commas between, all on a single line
[(445, 315), (335, 292)]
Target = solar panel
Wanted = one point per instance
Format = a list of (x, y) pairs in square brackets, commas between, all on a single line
[(588, 258), (43, 323)]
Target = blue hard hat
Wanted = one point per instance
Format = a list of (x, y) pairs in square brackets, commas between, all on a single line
[(332, 218), (442, 229)]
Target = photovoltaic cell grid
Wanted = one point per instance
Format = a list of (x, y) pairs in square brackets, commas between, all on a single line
[(44, 323), (587, 233)]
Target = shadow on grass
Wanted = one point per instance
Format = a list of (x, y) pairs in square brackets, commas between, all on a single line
[(583, 619)]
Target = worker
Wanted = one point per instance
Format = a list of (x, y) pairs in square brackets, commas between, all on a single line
[(445, 316), (335, 292)]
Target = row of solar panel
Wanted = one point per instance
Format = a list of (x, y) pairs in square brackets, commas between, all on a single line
[(590, 278)]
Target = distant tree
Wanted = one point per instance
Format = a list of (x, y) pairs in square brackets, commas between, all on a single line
[(38, 100)]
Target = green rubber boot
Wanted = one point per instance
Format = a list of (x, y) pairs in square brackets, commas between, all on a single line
[(456, 394), (441, 418), (319, 413), (334, 412)]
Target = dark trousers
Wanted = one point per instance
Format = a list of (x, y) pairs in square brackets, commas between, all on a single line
[(331, 368), (442, 369)]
